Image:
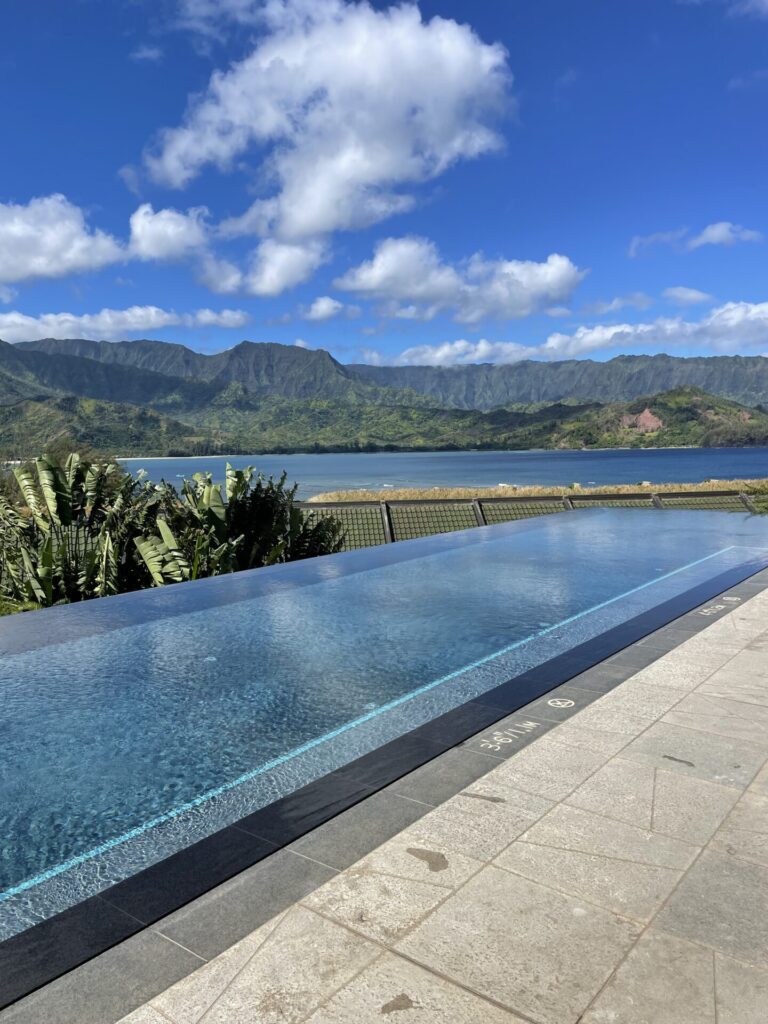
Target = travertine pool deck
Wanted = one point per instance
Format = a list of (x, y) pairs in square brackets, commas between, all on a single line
[(599, 857)]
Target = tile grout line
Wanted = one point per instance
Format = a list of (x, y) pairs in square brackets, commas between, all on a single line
[(393, 951), (665, 902), (324, 1002), (706, 732), (605, 856), (260, 946), (204, 960)]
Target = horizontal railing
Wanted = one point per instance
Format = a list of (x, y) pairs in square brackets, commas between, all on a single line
[(369, 523)]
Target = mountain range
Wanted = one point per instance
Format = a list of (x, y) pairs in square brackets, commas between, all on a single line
[(151, 397)]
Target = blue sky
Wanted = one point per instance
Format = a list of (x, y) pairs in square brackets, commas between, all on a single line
[(443, 183)]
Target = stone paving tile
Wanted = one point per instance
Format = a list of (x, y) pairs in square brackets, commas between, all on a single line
[(742, 992), (348, 837), (713, 654), (509, 938), (301, 963), (717, 759), (751, 663), (228, 913), (570, 828), (613, 720), (625, 887), (689, 808), (191, 998), (751, 812), (144, 1015), (712, 714), (387, 893), (438, 780), (675, 673), (395, 989), (101, 990), (643, 700), (598, 738), (664, 980), (723, 902), (745, 831), (737, 684), (481, 820), (738, 627), (760, 782), (738, 843), (549, 769), (668, 802), (621, 789)]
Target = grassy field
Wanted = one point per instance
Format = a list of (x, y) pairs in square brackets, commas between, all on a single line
[(510, 491)]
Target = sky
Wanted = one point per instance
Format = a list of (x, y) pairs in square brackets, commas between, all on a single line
[(440, 183)]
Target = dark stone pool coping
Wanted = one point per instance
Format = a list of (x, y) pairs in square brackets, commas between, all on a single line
[(159, 925)]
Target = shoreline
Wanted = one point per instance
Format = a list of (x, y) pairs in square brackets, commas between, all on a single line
[(709, 487), (443, 451)]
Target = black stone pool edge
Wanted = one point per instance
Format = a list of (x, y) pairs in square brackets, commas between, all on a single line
[(419, 761)]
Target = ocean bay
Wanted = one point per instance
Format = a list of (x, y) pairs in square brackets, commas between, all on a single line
[(383, 471)]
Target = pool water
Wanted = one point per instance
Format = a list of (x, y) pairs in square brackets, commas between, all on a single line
[(135, 725)]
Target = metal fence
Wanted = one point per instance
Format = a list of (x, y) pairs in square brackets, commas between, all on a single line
[(368, 523)]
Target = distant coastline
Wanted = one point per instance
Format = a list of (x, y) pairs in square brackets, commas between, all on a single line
[(435, 451)]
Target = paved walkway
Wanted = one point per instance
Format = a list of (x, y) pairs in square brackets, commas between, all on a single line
[(615, 871)]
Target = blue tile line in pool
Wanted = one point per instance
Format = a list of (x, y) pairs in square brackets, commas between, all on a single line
[(311, 744)]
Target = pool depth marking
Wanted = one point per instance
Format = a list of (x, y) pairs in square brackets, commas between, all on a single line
[(226, 787)]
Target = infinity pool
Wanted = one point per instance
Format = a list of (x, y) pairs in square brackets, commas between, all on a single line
[(134, 726)]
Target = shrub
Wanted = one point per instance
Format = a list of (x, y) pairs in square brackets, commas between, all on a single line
[(87, 529)]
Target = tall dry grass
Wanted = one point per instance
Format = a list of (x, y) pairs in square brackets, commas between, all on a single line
[(510, 491)]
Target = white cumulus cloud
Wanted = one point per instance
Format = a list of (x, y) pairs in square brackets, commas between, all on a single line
[(355, 106), (221, 276), (48, 237), (111, 324), (277, 266), (682, 296), (324, 308), (723, 232), (409, 274), (327, 308), (167, 234), (731, 328)]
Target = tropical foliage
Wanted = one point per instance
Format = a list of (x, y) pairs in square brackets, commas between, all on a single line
[(85, 529), (254, 423)]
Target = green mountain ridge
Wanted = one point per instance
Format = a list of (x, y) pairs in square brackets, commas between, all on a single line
[(486, 386), (148, 397), (684, 416), (266, 369)]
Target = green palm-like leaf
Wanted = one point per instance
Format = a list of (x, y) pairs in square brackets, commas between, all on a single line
[(55, 488), (153, 553), (28, 487)]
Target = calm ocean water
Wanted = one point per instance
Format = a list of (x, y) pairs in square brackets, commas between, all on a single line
[(386, 470)]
